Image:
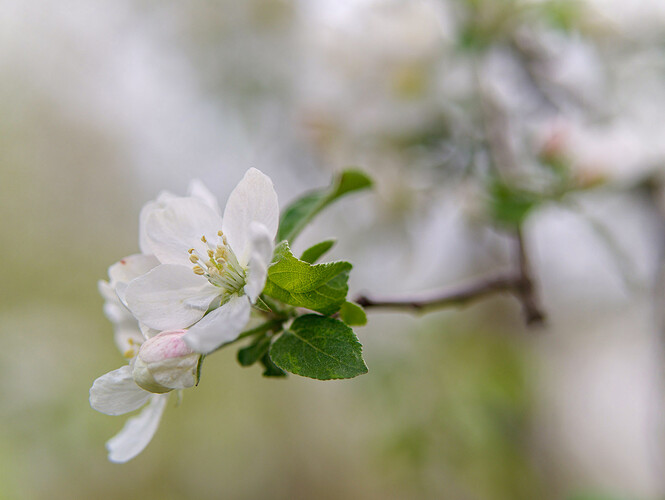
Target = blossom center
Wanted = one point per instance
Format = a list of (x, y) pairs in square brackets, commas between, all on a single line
[(220, 266)]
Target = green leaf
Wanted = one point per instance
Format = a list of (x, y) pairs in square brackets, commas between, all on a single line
[(315, 252), (348, 181), (271, 369), (250, 354), (261, 305), (511, 205), (319, 287), (319, 347), (296, 216), (352, 314), (199, 367), (299, 213)]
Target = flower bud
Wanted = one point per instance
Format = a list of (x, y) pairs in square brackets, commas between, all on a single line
[(165, 362)]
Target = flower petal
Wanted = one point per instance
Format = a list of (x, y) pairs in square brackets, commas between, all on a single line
[(116, 392), (147, 331), (172, 229), (164, 196), (262, 244), (220, 326), (131, 267), (253, 200), (169, 360), (127, 334), (137, 432), (198, 190), (106, 291), (170, 297), (115, 311)]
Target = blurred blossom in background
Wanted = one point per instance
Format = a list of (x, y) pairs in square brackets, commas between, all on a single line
[(105, 105)]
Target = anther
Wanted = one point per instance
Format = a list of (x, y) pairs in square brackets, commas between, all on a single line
[(193, 258), (203, 239), (199, 270)]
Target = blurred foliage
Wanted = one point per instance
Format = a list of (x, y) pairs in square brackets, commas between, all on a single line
[(471, 418)]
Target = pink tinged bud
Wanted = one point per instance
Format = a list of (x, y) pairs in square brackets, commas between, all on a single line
[(164, 363)]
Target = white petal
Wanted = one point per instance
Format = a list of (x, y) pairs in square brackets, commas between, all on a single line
[(198, 190), (177, 373), (137, 432), (116, 392), (253, 200), (220, 326), (115, 311), (170, 297), (144, 243), (106, 290), (262, 244), (131, 267), (171, 230), (147, 331), (127, 334)]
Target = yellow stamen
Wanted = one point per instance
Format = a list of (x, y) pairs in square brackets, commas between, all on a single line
[(193, 258), (199, 270)]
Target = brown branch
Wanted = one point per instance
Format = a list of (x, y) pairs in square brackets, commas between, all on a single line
[(525, 291), (519, 284), (446, 298)]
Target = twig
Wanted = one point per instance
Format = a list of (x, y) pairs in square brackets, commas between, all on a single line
[(446, 298), (525, 291), (519, 284)]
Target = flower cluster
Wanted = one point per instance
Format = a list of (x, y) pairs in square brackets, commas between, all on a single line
[(189, 291)]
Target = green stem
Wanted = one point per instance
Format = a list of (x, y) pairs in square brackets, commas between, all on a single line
[(273, 324), (278, 308)]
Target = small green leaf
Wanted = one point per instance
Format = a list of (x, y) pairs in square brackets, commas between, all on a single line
[(350, 180), (299, 213), (271, 369), (315, 252), (199, 367), (511, 205), (352, 314), (319, 347), (295, 217), (261, 305), (319, 287), (250, 354)]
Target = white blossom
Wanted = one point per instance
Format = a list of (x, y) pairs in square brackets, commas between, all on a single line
[(163, 363), (116, 393), (212, 268)]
